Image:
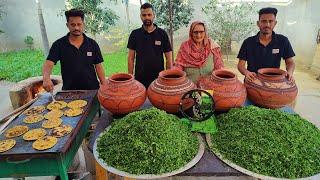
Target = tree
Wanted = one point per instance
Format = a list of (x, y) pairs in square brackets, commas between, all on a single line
[(126, 3), (98, 19), (1, 15), (43, 30), (229, 21), (179, 13)]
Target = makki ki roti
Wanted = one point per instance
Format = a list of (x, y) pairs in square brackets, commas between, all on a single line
[(34, 110), (53, 114), (33, 118), (73, 112), (61, 130), (44, 143), (16, 131), (56, 105), (7, 144), (77, 104), (34, 134), (52, 123)]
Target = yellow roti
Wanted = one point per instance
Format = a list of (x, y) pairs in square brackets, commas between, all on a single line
[(7, 144), (44, 143), (34, 134), (73, 112), (54, 114), (33, 118), (52, 123), (57, 105), (34, 110), (16, 131), (61, 130), (77, 104)]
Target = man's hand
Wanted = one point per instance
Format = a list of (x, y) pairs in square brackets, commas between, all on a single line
[(250, 76), (290, 77), (47, 85)]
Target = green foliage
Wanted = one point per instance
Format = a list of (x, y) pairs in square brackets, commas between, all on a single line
[(269, 142), (98, 19), (2, 13), (229, 21), (28, 41), (115, 62), (181, 9), (148, 142), (19, 65), (118, 37)]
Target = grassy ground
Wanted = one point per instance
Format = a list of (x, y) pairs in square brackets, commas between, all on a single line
[(19, 65)]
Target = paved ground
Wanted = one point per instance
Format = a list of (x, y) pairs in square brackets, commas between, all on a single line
[(307, 105)]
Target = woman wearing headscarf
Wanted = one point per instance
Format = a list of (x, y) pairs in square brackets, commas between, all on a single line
[(199, 55)]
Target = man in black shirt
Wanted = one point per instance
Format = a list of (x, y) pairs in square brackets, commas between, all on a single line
[(146, 47), (265, 49), (79, 55)]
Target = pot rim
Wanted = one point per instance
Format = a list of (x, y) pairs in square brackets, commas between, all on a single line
[(232, 75), (277, 73), (113, 77), (164, 73)]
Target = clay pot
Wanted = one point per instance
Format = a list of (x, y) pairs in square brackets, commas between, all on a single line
[(166, 91), (227, 91), (271, 88), (122, 94)]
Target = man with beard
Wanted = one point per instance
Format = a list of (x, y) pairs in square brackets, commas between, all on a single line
[(265, 49), (79, 55), (146, 47)]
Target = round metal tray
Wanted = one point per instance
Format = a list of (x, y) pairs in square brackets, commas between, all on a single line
[(113, 170), (248, 172)]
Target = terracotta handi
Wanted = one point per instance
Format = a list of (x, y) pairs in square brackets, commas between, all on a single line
[(271, 88), (227, 91), (166, 91), (122, 94)]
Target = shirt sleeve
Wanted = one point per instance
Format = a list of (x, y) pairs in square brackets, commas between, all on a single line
[(243, 55), (166, 43), (54, 53), (288, 51), (132, 42), (99, 58)]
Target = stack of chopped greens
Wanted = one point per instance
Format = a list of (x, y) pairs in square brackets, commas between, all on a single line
[(148, 142), (269, 142)]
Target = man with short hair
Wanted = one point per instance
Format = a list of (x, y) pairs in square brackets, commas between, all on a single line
[(265, 49), (80, 57), (146, 47)]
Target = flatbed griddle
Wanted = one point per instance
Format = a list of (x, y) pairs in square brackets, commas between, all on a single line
[(24, 148)]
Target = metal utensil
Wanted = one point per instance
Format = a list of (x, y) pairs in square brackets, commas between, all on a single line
[(53, 99)]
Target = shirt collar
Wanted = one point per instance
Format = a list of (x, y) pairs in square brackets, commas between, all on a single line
[(146, 32), (85, 38), (274, 37)]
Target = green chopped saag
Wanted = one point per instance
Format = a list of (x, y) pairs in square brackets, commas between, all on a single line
[(269, 142), (148, 142)]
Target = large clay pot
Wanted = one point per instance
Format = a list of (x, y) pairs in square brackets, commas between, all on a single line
[(122, 94), (227, 91), (271, 88), (166, 91)]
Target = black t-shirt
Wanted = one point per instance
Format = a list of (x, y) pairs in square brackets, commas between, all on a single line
[(149, 48), (77, 65), (259, 56)]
